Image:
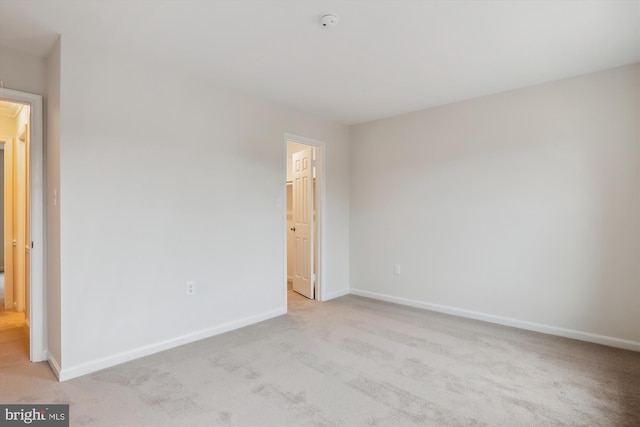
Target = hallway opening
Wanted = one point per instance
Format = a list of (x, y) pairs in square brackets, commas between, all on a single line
[(15, 240), (304, 195)]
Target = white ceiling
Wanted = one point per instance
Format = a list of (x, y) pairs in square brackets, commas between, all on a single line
[(10, 110), (383, 58)]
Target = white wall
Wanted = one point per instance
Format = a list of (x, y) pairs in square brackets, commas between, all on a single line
[(52, 227), (522, 205), (22, 71), (149, 203)]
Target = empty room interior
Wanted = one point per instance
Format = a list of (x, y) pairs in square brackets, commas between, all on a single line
[(287, 213)]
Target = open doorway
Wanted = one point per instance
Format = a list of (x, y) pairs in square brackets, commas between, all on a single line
[(22, 304), (303, 219), (15, 248)]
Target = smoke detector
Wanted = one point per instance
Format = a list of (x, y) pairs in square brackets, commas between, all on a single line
[(329, 20)]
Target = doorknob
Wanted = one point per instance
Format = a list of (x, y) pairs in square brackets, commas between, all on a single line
[(293, 229)]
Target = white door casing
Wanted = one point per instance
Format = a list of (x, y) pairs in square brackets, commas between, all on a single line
[(303, 221)]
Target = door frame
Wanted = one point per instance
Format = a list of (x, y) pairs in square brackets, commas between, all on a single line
[(319, 243), (37, 318)]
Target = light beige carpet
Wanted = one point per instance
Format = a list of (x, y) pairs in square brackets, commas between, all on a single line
[(353, 362)]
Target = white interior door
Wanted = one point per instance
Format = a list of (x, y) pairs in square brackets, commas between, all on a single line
[(303, 221)]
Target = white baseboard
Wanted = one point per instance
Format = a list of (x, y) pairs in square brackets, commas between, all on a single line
[(55, 366), (126, 356), (521, 324), (337, 294)]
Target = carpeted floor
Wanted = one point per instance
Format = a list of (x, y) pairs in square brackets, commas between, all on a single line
[(352, 362)]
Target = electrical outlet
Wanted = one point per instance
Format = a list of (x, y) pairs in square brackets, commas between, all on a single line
[(396, 269), (191, 288)]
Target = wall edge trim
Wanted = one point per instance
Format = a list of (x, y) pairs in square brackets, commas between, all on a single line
[(514, 323), (126, 356), (54, 365)]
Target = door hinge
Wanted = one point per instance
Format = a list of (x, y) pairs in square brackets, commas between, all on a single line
[(32, 244)]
